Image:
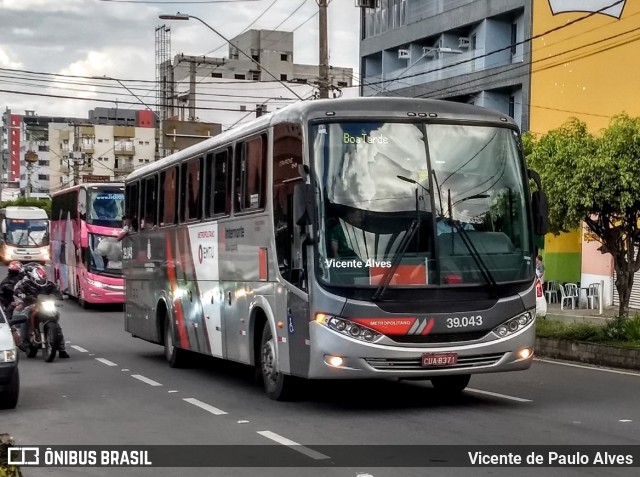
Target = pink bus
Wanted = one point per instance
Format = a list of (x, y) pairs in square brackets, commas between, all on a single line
[(85, 252)]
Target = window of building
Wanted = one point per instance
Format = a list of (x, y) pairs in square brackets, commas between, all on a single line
[(99, 140), (514, 37), (240, 77), (512, 106), (284, 57), (249, 175), (283, 77), (216, 75), (43, 177)]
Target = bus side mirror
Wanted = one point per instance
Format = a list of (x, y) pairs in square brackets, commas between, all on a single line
[(539, 206), (302, 204)]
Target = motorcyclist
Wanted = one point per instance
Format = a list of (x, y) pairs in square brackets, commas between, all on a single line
[(26, 292), (14, 275)]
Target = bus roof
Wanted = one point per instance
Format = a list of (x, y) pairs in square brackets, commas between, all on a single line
[(349, 109), (24, 212), (89, 185)]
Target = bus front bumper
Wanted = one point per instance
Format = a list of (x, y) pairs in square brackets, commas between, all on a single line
[(40, 255), (362, 360)]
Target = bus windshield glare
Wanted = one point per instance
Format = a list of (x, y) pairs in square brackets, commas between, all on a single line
[(420, 205), (27, 232), (106, 207)]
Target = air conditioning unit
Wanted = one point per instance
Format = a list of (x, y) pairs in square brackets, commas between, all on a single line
[(404, 54), (463, 42)]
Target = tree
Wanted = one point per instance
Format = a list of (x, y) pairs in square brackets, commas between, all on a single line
[(595, 179)]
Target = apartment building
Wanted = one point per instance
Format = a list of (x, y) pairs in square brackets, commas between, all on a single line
[(224, 88), (97, 152), (462, 50)]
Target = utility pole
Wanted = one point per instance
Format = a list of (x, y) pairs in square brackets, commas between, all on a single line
[(323, 79)]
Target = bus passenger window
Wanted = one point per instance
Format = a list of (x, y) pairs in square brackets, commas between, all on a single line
[(168, 196)]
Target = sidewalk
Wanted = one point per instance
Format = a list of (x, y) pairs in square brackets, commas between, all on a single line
[(580, 314)]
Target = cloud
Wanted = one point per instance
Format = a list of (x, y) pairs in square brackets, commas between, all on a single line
[(43, 5), (6, 61)]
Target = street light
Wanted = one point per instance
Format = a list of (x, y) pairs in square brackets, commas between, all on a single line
[(131, 92), (184, 16)]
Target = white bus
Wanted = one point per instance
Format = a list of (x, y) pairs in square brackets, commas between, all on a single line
[(355, 238), (24, 234)]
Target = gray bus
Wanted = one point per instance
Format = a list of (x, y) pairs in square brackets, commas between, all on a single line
[(351, 238)]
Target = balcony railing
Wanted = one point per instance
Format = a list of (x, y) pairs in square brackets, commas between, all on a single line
[(124, 150)]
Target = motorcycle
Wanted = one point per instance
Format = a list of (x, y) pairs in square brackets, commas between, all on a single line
[(46, 333)]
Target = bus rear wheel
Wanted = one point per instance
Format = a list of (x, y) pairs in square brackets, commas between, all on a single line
[(277, 386), (177, 357), (451, 384)]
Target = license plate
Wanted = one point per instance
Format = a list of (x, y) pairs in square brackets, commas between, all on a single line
[(27, 257), (439, 359)]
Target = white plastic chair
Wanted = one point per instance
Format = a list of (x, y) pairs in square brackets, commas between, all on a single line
[(593, 295), (552, 292), (566, 297)]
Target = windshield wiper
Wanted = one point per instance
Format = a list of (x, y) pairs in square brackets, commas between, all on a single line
[(402, 248), (32, 239), (484, 270)]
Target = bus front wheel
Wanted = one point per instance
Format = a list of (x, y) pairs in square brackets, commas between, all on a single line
[(451, 384), (277, 386)]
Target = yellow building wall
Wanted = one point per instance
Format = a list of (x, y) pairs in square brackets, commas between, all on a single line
[(587, 68)]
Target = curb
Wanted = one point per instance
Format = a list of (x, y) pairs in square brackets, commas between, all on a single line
[(588, 353)]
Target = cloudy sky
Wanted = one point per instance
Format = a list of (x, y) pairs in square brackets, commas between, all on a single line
[(40, 39)]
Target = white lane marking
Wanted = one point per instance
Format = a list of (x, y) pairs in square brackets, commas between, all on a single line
[(243, 422), (78, 348), (293, 445), (150, 382), (205, 406), (124, 370), (106, 361), (503, 396), (173, 391), (626, 420), (594, 368)]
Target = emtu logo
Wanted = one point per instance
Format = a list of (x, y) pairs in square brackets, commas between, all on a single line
[(605, 7)]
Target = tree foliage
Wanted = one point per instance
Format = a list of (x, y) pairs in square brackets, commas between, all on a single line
[(595, 179), (44, 204)]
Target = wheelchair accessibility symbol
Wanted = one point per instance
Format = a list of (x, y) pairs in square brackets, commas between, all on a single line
[(290, 323)]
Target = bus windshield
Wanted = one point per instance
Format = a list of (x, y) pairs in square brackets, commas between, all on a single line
[(27, 232), (420, 205), (105, 207)]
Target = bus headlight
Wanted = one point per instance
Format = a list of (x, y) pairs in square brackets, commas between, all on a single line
[(8, 252), (347, 327), (95, 283), (514, 325)]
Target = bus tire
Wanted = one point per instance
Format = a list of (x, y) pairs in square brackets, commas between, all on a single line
[(176, 357), (451, 384), (277, 386), (81, 302)]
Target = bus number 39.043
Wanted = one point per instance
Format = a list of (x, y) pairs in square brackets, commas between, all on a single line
[(464, 321)]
